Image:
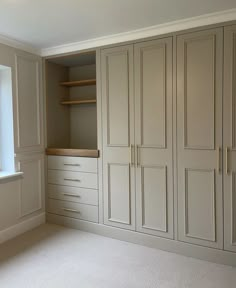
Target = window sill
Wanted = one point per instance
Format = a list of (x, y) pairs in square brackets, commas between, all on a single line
[(4, 175)]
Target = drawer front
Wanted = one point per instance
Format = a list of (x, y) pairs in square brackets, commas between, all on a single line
[(73, 194), (81, 164), (73, 210), (71, 178)]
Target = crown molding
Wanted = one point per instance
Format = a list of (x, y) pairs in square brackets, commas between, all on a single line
[(170, 27), (19, 45)]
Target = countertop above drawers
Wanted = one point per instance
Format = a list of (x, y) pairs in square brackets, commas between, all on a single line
[(73, 152)]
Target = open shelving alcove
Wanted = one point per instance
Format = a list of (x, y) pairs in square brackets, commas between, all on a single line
[(71, 104)]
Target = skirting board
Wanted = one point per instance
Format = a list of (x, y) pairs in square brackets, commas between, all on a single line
[(186, 249), (22, 227)]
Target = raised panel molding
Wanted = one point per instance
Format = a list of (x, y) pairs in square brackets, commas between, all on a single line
[(154, 80), (199, 46), (155, 217), (32, 184), (196, 224), (120, 69), (28, 104), (119, 189)]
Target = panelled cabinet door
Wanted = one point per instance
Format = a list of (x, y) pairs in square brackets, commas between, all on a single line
[(28, 103), (153, 132), (32, 183), (230, 139), (199, 137), (118, 136)]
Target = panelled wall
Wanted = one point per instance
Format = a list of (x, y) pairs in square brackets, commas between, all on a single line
[(168, 108), (22, 198), (29, 136)]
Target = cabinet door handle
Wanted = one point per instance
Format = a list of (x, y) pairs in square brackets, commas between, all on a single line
[(138, 155), (226, 161), (132, 155), (71, 210), (68, 164), (71, 195), (218, 160), (70, 179)]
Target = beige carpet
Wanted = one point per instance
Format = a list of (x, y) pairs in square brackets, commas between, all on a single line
[(55, 257)]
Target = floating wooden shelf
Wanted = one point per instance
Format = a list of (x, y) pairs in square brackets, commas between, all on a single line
[(79, 83), (73, 152), (78, 102)]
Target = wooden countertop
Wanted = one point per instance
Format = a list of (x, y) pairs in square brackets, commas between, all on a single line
[(73, 152)]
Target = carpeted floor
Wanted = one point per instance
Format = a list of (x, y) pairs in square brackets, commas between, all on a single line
[(55, 257)]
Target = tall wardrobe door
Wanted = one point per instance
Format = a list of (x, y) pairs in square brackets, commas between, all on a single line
[(199, 137), (230, 138), (153, 132), (118, 136)]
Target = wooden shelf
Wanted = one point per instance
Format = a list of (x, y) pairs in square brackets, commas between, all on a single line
[(79, 83), (73, 152), (78, 102)]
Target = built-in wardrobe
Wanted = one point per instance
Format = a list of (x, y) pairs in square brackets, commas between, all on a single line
[(166, 130), (157, 95)]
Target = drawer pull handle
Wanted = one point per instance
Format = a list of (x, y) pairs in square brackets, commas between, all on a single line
[(70, 179), (71, 195), (71, 210), (68, 164)]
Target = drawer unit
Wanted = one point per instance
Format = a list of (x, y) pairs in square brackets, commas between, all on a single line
[(74, 210), (71, 178), (80, 164), (73, 194), (73, 187)]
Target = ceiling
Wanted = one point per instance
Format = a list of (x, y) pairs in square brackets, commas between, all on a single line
[(48, 23)]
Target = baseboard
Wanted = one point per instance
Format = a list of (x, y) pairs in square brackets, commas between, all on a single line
[(22, 227), (186, 249)]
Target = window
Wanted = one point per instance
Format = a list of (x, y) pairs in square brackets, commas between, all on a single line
[(7, 165)]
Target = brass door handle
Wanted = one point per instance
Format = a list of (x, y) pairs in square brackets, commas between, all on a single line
[(131, 155), (218, 159), (226, 161), (138, 155)]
